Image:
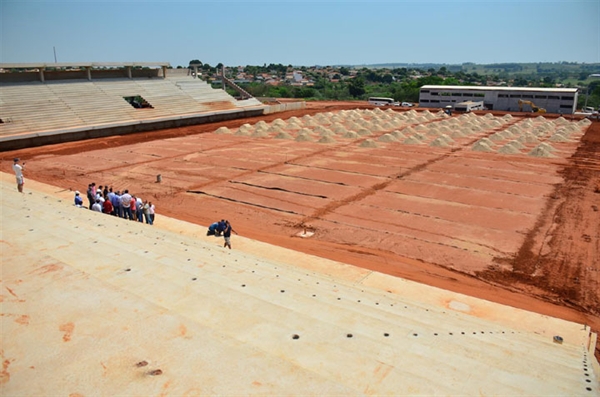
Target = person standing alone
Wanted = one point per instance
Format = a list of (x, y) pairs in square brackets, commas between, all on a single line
[(227, 234), (18, 169)]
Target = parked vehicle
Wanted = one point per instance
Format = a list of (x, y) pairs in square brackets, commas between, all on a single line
[(406, 104), (378, 101)]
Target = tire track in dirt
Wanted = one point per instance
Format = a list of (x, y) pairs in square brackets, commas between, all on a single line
[(382, 185), (561, 253)]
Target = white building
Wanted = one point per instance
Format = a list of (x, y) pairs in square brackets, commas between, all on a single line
[(554, 100)]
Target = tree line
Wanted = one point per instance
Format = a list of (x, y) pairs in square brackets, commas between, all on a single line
[(403, 84)]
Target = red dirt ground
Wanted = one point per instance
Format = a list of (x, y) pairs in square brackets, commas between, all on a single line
[(517, 230)]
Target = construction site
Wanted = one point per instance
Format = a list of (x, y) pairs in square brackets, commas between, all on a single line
[(378, 250)]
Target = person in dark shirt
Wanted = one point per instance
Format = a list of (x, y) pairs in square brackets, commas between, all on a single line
[(227, 234)]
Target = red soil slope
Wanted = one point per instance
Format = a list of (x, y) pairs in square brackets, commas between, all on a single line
[(517, 230)]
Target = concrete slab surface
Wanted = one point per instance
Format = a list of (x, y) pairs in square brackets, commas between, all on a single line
[(93, 305)]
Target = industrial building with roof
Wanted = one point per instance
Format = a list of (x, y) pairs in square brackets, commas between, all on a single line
[(553, 100)]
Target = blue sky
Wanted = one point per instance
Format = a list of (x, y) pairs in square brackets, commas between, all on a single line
[(300, 33)]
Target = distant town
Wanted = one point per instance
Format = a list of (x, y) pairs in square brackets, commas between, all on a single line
[(401, 81)]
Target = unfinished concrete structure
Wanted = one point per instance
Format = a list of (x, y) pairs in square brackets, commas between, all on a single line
[(96, 305), (88, 100)]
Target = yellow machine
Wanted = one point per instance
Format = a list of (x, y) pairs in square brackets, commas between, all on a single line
[(534, 108)]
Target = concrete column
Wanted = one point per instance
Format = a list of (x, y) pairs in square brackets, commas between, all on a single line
[(195, 71), (129, 71), (164, 68), (42, 79), (88, 70)]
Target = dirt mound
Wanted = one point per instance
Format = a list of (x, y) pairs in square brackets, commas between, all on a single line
[(260, 133), (326, 139), (540, 151), (412, 141), (304, 138), (480, 146), (283, 135), (223, 130), (387, 138), (368, 143), (509, 149)]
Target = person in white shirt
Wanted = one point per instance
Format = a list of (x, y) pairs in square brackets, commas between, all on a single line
[(97, 206), (18, 169), (126, 205)]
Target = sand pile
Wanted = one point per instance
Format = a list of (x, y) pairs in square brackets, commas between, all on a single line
[(560, 120), (398, 134), (528, 137), (507, 117), (388, 126), (261, 123), (516, 144), (305, 131), (260, 133), (223, 130), (320, 129), (293, 126), (326, 139), (387, 138), (487, 141), (439, 142), (547, 146), (283, 135), (304, 138), (540, 152), (481, 147), (279, 123), (558, 138), (447, 139), (434, 132), (326, 132), (411, 141), (496, 137), (458, 134), (350, 135), (419, 136), (242, 132), (363, 132), (509, 149), (368, 143)]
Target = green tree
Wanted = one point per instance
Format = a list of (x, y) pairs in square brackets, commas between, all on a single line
[(387, 78), (356, 87)]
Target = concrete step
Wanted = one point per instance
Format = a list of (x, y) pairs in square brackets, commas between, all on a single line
[(93, 277)]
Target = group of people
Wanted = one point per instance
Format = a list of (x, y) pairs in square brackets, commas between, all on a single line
[(124, 205), (120, 204), (222, 227)]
